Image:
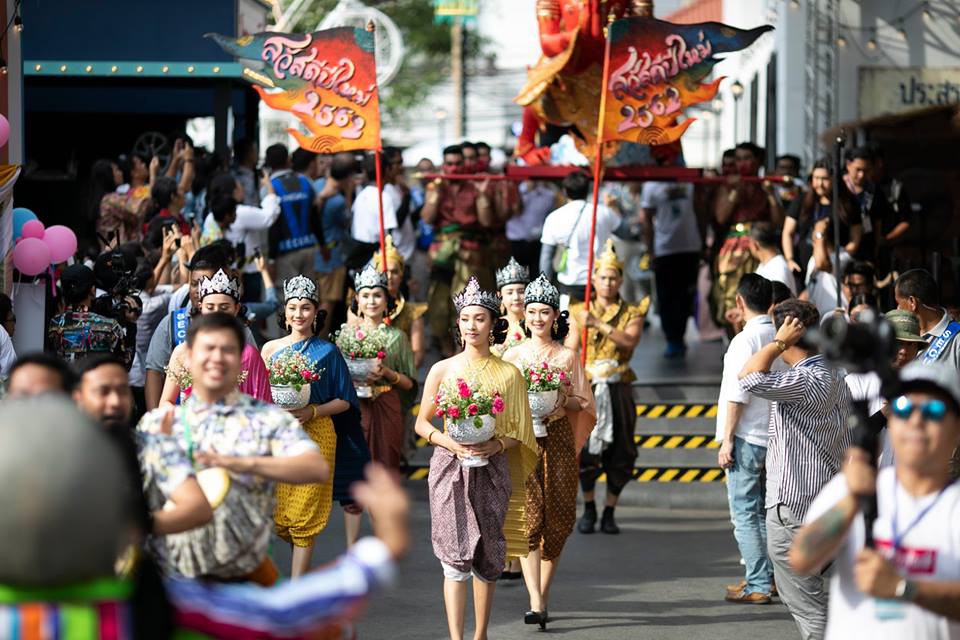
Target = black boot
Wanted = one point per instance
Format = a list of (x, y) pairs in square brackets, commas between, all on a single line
[(607, 523), (588, 521)]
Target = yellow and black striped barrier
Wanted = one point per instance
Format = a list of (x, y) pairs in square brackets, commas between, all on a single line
[(676, 442), (674, 474), (670, 411), (640, 474)]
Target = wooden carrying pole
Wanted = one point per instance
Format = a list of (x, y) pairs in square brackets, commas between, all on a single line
[(597, 171)]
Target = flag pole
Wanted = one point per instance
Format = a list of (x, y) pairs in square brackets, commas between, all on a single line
[(597, 171), (378, 159)]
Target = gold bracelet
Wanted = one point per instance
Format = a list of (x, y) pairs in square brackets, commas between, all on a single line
[(605, 329), (503, 445), (430, 436), (397, 379), (313, 412)]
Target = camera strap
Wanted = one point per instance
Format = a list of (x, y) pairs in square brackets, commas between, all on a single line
[(932, 353)]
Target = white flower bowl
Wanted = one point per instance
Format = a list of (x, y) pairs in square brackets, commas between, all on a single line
[(360, 368), (542, 404), (286, 396), (465, 431)]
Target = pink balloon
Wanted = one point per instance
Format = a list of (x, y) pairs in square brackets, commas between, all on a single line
[(62, 242), (32, 229), (4, 130), (31, 256)]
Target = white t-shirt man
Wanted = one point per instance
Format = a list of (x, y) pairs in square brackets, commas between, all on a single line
[(405, 237), (675, 222), (559, 229), (754, 425), (366, 215), (776, 269), (930, 550)]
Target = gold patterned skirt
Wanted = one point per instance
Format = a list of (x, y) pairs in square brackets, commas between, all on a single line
[(515, 524), (302, 510), (552, 491)]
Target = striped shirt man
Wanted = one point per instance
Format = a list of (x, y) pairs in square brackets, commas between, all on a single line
[(808, 430)]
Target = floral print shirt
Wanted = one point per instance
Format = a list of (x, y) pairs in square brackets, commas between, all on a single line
[(236, 541)]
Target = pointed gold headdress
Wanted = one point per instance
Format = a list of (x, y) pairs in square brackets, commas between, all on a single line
[(392, 255), (608, 259)]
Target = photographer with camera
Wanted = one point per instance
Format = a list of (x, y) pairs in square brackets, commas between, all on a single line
[(908, 586), (78, 331), (808, 435)]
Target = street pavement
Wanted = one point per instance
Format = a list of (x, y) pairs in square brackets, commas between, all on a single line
[(663, 577)]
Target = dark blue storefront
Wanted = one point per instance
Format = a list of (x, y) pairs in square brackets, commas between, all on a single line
[(100, 74)]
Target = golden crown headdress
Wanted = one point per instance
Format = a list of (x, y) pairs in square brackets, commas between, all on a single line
[(608, 258), (392, 255)]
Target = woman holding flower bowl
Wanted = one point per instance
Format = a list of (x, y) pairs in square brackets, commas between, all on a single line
[(551, 507), (469, 504), (331, 419), (392, 377)]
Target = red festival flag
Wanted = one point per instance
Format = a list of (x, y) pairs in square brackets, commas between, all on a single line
[(327, 79), (655, 72)]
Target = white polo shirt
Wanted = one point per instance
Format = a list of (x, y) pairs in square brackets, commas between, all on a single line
[(754, 425), (558, 229)]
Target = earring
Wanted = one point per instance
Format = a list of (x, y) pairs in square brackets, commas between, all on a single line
[(490, 338), (556, 327)]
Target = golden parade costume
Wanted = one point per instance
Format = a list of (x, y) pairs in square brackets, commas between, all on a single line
[(610, 448), (469, 506), (551, 507)]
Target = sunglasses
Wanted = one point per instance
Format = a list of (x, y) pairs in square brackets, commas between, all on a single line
[(934, 410)]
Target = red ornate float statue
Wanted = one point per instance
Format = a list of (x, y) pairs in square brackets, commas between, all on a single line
[(563, 88)]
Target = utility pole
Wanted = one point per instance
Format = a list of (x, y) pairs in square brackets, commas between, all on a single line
[(459, 79)]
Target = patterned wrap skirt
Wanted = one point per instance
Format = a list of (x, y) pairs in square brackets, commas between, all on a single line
[(467, 511), (302, 510), (552, 491), (383, 427)]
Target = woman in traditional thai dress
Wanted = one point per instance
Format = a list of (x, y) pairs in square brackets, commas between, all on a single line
[(613, 332), (302, 511), (511, 281), (551, 508), (393, 379), (219, 294), (468, 506)]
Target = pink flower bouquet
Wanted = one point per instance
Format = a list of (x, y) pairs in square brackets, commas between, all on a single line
[(459, 399)]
